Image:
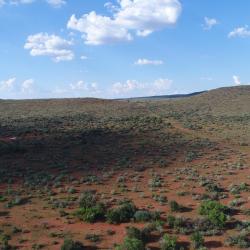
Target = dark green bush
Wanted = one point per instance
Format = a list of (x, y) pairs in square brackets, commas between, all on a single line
[(72, 245), (91, 214), (197, 240), (4, 242), (144, 216), (2, 198), (175, 207), (241, 240), (87, 199), (131, 244), (123, 213), (133, 232), (169, 243), (215, 212)]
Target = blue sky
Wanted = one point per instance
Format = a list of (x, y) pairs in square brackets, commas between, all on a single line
[(121, 48)]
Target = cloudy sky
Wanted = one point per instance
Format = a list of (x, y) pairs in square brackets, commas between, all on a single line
[(121, 48)]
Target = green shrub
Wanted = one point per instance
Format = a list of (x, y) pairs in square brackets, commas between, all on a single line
[(144, 216), (17, 201), (72, 245), (87, 199), (133, 232), (197, 240), (4, 242), (93, 237), (2, 198), (175, 207), (131, 244), (123, 213), (168, 242), (91, 214), (215, 212), (241, 240)]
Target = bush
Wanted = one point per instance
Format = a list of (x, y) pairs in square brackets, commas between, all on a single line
[(87, 199), (215, 212), (131, 244), (4, 242), (197, 240), (168, 243), (72, 245), (175, 207), (123, 213), (140, 234), (91, 214), (2, 198), (144, 216), (241, 240), (176, 222), (133, 232)]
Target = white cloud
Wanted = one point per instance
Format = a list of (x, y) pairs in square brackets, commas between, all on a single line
[(130, 18), (27, 86), (162, 84), (84, 57), (148, 62), (77, 89), (136, 88), (209, 23), (43, 44), (54, 3), (236, 80), (81, 85), (17, 2), (128, 86), (7, 85), (11, 89), (99, 29), (240, 32)]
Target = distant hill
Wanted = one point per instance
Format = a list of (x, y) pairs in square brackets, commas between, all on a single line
[(161, 97), (222, 101)]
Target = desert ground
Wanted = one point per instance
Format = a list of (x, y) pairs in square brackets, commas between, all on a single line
[(126, 174)]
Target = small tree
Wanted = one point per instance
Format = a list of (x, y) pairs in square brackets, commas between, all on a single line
[(197, 240), (169, 243)]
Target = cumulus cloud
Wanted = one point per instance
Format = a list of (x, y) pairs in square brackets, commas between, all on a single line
[(54, 3), (8, 84), (240, 32), (130, 18), (27, 86), (43, 44), (81, 85), (128, 86), (135, 88), (162, 84), (209, 23), (17, 2), (77, 89), (236, 80), (144, 61), (14, 89), (98, 29)]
